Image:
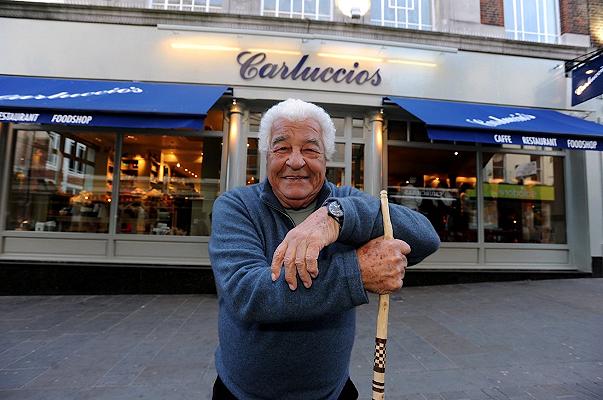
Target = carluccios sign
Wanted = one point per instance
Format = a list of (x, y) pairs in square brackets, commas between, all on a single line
[(68, 95), (494, 121), (256, 66), (587, 81)]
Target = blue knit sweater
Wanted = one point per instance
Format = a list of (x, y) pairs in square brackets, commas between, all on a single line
[(281, 344)]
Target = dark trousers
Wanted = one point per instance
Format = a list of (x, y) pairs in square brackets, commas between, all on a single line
[(221, 392)]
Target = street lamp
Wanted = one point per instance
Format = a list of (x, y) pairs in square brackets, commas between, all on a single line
[(354, 9)]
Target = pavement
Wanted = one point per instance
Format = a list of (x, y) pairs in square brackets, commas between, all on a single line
[(507, 340)]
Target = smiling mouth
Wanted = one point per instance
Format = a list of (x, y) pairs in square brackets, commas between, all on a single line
[(295, 178)]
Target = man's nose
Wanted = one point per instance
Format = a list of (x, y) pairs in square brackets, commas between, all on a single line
[(295, 160)]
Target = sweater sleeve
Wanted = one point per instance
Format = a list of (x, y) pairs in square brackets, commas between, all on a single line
[(243, 276), (363, 221)]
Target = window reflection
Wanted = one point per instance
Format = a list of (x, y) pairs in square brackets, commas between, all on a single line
[(438, 183), (524, 199), (168, 184), (336, 175), (61, 181), (358, 166), (253, 162)]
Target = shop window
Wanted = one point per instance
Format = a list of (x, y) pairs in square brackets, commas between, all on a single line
[(407, 131), (532, 20), (339, 153), (357, 128), (408, 14), (253, 162), (418, 132), (189, 5), (524, 199), (168, 184), (254, 122), (438, 183), (336, 175), (315, 9), (63, 191), (214, 121), (54, 144), (339, 124), (397, 130), (358, 166)]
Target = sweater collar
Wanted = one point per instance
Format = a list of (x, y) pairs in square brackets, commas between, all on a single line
[(268, 196)]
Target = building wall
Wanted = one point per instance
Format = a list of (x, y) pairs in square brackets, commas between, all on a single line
[(595, 15), (574, 16), (492, 12)]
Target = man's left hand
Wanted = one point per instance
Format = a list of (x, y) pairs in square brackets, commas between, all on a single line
[(299, 251)]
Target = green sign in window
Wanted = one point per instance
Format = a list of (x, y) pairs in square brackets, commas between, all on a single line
[(518, 192)]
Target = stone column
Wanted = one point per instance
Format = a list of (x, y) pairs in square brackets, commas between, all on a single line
[(236, 148), (376, 155)]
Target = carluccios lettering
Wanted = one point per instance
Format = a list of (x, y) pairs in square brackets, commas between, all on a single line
[(254, 65), (580, 89), (67, 95), (495, 121)]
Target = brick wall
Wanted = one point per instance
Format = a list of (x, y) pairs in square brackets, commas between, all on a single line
[(492, 12), (595, 14), (574, 16)]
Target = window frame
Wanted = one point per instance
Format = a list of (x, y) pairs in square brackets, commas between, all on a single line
[(184, 5), (298, 14), (396, 23), (512, 28)]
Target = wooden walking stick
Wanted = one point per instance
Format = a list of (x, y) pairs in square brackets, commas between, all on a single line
[(381, 336)]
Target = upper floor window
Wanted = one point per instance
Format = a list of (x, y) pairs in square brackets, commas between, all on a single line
[(533, 20), (312, 9), (409, 14), (189, 5)]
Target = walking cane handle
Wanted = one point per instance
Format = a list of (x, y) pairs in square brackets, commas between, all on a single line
[(381, 336)]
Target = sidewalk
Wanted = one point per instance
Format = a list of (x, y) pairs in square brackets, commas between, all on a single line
[(513, 340)]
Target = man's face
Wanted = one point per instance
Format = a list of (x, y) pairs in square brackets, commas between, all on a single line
[(296, 162)]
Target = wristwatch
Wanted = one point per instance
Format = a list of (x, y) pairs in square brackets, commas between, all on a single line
[(335, 211)]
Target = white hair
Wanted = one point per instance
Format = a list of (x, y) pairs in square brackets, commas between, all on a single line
[(298, 110)]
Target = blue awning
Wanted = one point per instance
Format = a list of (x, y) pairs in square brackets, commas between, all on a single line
[(484, 123), (115, 104)]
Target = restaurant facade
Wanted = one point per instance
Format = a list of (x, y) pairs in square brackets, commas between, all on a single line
[(119, 129)]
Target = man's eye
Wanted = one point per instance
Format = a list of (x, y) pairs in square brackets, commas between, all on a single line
[(281, 150), (311, 152)]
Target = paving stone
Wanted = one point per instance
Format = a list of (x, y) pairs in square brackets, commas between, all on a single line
[(52, 353), (459, 395), (16, 378), (40, 394), (19, 351)]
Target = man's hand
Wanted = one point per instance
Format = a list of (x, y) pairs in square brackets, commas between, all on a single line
[(383, 264), (298, 252)]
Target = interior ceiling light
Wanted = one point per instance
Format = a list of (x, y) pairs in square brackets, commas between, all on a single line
[(276, 51), (210, 47), (350, 57), (409, 62)]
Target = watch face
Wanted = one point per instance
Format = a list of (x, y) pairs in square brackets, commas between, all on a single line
[(335, 209)]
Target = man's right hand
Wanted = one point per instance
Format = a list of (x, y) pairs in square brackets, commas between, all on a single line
[(383, 264)]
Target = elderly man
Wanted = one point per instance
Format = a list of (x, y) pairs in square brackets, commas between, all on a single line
[(280, 339)]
